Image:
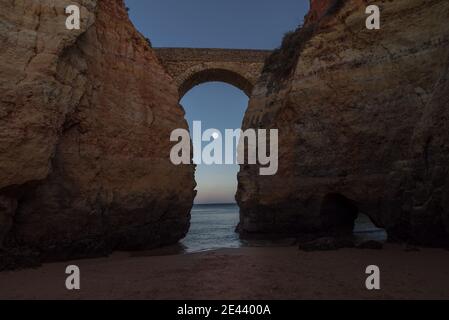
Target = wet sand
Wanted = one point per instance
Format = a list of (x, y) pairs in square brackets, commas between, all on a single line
[(243, 273)]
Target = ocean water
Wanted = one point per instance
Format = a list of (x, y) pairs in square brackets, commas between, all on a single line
[(213, 227), (365, 230)]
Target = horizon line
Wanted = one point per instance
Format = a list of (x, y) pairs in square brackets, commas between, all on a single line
[(215, 48), (215, 203)]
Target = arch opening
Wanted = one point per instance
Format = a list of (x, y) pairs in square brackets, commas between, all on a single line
[(338, 214), (341, 216), (217, 105), (216, 75)]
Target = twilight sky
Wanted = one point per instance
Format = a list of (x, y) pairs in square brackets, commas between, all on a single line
[(243, 24)]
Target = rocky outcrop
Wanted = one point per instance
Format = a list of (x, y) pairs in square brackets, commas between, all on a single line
[(320, 8), (362, 118), (85, 122)]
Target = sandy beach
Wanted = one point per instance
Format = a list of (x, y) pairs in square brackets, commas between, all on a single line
[(243, 273)]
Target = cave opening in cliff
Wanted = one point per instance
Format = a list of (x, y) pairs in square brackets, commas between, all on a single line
[(341, 216), (215, 214), (338, 214)]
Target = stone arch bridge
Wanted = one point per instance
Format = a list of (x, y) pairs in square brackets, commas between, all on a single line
[(191, 67)]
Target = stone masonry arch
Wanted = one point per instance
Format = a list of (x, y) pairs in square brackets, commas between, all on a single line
[(191, 67), (208, 72)]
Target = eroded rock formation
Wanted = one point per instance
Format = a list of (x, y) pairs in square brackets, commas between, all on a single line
[(363, 118), (85, 118), (85, 121)]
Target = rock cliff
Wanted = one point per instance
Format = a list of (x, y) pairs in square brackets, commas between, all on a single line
[(85, 117), (362, 118), (85, 121)]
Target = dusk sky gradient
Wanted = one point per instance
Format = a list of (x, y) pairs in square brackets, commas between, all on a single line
[(234, 24)]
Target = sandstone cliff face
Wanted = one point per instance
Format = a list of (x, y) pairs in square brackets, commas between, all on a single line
[(362, 119), (85, 121), (319, 8)]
